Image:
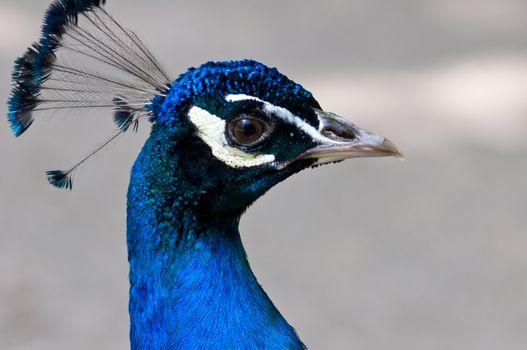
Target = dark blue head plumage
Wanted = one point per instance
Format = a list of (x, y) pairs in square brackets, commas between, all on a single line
[(214, 79), (222, 135)]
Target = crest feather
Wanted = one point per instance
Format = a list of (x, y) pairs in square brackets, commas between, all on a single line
[(53, 74)]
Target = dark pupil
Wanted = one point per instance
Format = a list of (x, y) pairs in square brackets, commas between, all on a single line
[(247, 131)]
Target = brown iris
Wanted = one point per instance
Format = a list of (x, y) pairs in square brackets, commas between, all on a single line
[(247, 131)]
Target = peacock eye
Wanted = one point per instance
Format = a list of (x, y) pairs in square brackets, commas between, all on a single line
[(246, 131)]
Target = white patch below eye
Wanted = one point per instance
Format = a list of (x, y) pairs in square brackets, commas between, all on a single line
[(211, 129)]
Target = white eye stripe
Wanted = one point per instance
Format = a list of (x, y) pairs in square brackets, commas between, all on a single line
[(287, 117), (241, 97), (211, 129)]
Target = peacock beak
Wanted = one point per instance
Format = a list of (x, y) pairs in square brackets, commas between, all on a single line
[(339, 139)]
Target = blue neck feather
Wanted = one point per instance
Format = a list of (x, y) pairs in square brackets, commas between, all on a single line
[(191, 284)]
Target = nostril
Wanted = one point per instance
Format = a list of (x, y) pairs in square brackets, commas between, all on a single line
[(334, 133)]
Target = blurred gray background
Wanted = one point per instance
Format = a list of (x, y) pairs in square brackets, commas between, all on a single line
[(369, 254)]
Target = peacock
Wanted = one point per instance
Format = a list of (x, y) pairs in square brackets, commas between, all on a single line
[(222, 135)]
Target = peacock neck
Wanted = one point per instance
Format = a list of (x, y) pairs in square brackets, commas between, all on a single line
[(191, 286)]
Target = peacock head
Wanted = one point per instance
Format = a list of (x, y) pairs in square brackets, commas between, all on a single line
[(222, 134), (235, 129)]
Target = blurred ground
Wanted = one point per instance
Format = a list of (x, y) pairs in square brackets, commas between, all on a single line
[(369, 254)]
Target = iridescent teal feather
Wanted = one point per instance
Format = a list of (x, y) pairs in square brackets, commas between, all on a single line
[(55, 73), (34, 67)]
